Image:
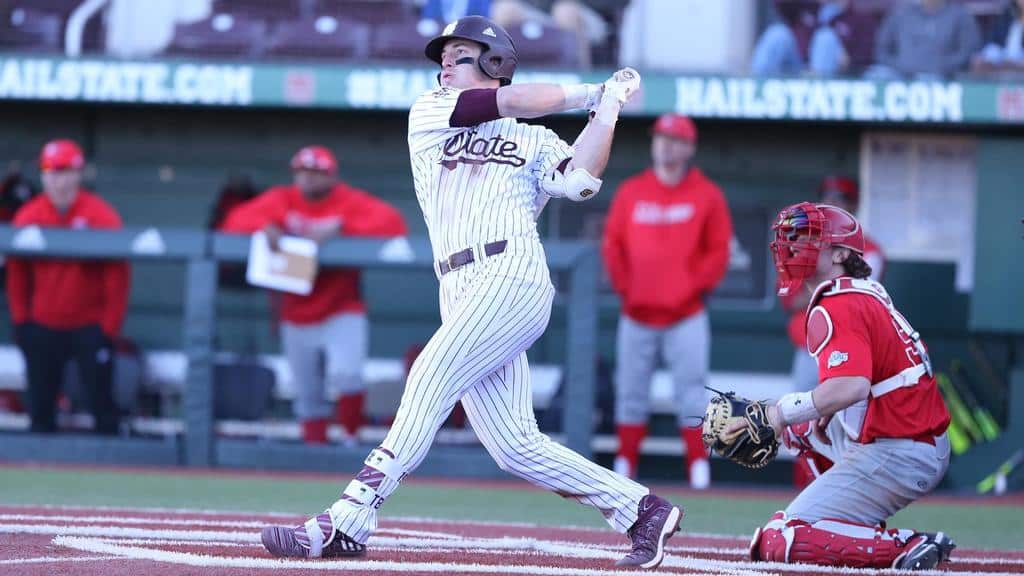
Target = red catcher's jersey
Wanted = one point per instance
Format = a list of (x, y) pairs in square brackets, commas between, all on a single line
[(853, 331)]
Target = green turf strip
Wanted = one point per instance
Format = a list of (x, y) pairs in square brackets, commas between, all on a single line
[(973, 526)]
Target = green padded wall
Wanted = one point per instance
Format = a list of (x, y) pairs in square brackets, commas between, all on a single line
[(997, 303)]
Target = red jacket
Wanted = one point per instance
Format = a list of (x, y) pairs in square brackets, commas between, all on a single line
[(358, 214), (666, 248), (67, 294)]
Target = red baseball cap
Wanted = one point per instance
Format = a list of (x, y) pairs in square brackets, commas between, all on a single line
[(61, 155), (844, 185), (676, 126), (315, 158)]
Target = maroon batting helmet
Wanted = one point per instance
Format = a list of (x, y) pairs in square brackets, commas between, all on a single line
[(498, 59)]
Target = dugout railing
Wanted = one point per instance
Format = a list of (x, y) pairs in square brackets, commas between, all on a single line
[(199, 446)]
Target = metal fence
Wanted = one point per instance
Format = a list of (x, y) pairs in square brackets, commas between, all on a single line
[(199, 446)]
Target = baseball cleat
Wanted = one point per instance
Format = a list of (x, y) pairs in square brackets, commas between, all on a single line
[(658, 520), (289, 542), (925, 551)]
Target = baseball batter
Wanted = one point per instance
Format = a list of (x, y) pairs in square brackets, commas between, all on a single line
[(481, 179), (876, 412)]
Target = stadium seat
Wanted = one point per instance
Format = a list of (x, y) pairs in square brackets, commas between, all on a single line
[(268, 10), (369, 11), (323, 37), (28, 30), (544, 46), (399, 40), (232, 35)]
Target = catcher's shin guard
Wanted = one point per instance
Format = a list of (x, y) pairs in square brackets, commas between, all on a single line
[(829, 543)]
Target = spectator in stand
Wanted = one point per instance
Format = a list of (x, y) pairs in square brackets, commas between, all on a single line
[(779, 50), (805, 42), (666, 248), (331, 320), (64, 309), (842, 192), (575, 16), (1004, 47), (445, 11), (925, 39)]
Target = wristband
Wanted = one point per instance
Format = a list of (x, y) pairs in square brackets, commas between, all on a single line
[(581, 96), (797, 407)]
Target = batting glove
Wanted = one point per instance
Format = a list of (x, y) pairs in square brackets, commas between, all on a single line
[(622, 85)]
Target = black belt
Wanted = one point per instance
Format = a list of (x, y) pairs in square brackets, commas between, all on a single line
[(463, 257)]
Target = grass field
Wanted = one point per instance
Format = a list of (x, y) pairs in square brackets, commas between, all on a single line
[(974, 522)]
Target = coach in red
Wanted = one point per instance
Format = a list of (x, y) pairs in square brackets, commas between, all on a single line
[(64, 309), (666, 247), (331, 320)]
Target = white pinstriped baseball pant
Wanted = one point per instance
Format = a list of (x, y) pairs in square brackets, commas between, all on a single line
[(491, 312)]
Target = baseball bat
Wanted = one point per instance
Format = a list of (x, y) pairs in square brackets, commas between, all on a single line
[(958, 410), (962, 383), (1005, 469)]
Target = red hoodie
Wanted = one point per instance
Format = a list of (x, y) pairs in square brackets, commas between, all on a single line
[(68, 294), (665, 248), (355, 211)]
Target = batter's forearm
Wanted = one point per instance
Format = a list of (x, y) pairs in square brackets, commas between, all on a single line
[(593, 148), (535, 100)]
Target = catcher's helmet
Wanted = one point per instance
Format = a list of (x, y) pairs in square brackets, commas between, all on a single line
[(498, 59), (802, 231), (61, 155)]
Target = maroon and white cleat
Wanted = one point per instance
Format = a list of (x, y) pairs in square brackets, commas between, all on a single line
[(657, 522), (309, 541)]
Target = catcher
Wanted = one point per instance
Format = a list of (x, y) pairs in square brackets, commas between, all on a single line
[(876, 412)]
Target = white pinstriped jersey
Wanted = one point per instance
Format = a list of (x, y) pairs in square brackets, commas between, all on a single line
[(481, 183)]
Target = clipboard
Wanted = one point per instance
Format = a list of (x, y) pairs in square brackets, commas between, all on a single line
[(291, 269)]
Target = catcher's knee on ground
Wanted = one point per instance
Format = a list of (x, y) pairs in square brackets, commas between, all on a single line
[(827, 543)]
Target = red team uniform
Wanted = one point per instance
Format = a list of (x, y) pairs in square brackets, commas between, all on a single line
[(331, 319), (890, 445), (357, 212)]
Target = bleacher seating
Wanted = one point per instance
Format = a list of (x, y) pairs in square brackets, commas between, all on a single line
[(370, 11), (399, 40), (322, 37), (30, 30), (545, 46), (269, 11), (221, 35)]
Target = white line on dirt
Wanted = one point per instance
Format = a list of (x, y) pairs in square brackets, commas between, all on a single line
[(49, 559), (190, 522), (348, 567), (450, 542), (397, 519)]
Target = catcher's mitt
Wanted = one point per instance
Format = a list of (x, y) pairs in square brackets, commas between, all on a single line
[(753, 446)]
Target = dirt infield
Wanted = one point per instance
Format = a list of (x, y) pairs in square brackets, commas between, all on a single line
[(94, 541)]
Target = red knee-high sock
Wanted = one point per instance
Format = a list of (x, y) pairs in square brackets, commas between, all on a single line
[(314, 431), (630, 437), (695, 449), (350, 412)]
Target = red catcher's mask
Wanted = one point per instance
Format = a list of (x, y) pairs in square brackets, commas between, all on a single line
[(801, 232)]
